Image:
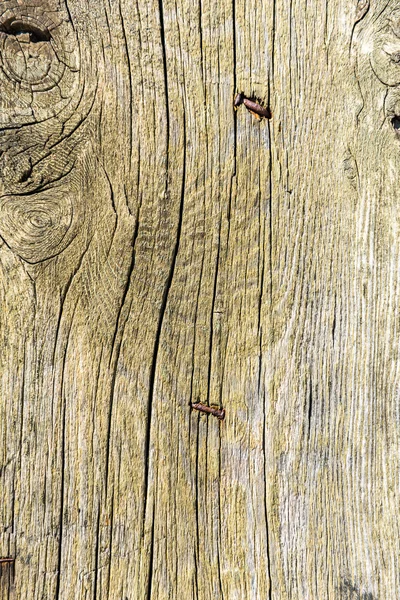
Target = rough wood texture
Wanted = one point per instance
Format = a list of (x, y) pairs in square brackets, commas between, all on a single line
[(159, 249)]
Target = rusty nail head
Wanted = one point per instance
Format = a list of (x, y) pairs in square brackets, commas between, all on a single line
[(238, 99)]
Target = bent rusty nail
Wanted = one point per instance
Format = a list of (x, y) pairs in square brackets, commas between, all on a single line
[(211, 410)]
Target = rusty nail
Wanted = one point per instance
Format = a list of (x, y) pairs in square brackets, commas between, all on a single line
[(238, 99), (7, 560), (255, 108), (211, 410)]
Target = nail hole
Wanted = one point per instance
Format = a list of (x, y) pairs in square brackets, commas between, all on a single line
[(396, 123), (19, 28)]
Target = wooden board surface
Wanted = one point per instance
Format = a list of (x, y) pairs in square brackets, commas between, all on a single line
[(160, 248)]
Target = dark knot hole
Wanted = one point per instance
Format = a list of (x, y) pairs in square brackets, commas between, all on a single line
[(396, 123), (16, 28)]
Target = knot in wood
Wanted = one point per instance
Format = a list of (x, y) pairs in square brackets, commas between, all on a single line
[(38, 53), (36, 227), (29, 54)]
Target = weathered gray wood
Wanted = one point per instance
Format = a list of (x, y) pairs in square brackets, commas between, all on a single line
[(160, 248)]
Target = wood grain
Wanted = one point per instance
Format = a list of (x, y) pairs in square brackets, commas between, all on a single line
[(162, 248)]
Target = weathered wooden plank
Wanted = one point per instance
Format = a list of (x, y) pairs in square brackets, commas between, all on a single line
[(159, 249), (334, 281)]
